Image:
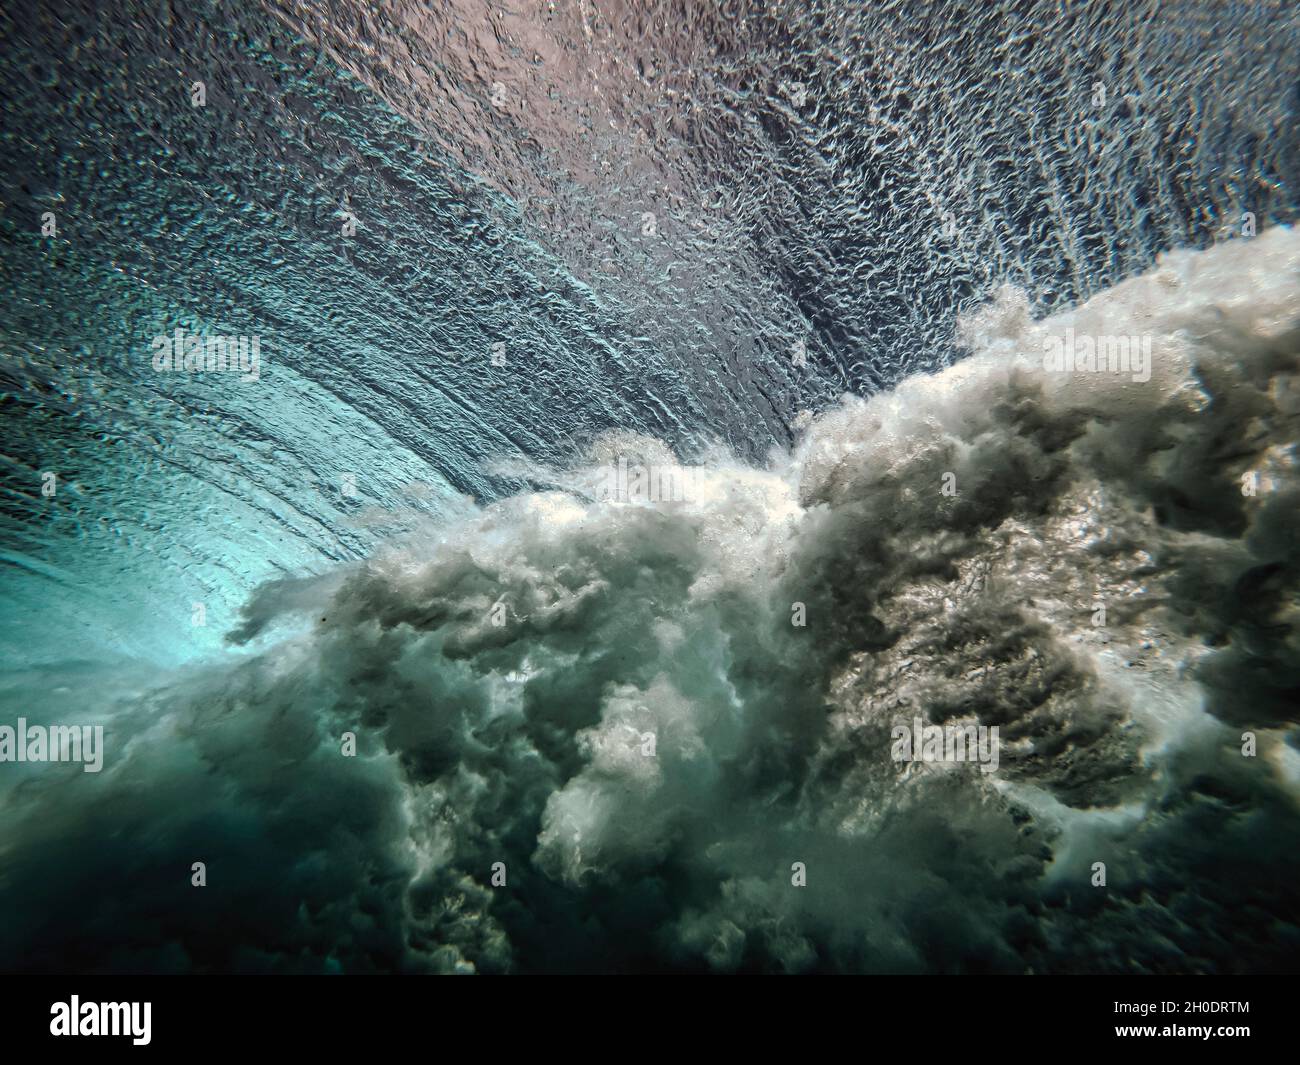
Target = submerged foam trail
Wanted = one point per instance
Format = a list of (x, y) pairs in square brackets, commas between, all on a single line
[(604, 724)]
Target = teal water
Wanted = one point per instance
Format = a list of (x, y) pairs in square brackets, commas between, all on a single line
[(804, 257)]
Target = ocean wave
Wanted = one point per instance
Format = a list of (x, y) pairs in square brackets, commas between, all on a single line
[(644, 715)]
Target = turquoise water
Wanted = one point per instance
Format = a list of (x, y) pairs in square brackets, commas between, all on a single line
[(809, 253)]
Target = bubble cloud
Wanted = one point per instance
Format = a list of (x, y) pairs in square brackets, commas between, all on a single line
[(596, 734)]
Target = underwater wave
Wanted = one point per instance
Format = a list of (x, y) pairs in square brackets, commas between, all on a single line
[(610, 722), (469, 235)]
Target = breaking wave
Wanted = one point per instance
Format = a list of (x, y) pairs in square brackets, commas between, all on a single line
[(598, 730)]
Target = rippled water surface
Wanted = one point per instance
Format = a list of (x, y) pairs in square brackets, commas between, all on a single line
[(844, 177), (808, 254)]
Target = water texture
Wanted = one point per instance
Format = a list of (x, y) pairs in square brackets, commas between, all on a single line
[(806, 260)]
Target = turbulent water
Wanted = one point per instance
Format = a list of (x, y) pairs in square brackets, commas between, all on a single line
[(803, 261)]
